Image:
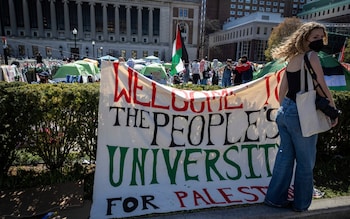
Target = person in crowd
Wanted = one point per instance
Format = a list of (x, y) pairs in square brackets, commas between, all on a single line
[(296, 154), (130, 63), (245, 68), (90, 79), (186, 73), (44, 78), (39, 58), (205, 72), (227, 73), (201, 66), (195, 72), (176, 79), (236, 75), (215, 72)]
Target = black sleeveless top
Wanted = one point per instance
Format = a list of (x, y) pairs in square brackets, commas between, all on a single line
[(293, 79)]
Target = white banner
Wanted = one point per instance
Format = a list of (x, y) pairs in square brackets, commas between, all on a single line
[(162, 149)]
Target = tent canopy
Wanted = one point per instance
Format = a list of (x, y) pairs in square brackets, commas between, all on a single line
[(154, 68), (108, 58), (138, 67), (89, 66), (156, 72), (95, 62), (152, 59), (167, 65), (70, 69)]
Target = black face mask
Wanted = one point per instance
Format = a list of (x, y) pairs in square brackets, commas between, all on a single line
[(316, 45), (244, 61)]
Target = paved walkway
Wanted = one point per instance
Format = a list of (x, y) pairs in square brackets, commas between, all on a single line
[(338, 208)]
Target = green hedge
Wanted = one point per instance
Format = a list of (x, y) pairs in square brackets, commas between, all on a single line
[(52, 120), (337, 140), (49, 120)]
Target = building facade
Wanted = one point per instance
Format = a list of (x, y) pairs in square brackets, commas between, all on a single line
[(249, 35), (93, 28), (335, 11), (226, 10), (244, 36)]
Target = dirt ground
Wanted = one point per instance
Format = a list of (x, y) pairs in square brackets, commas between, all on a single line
[(36, 202)]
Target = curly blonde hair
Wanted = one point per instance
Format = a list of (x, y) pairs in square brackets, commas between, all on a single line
[(297, 42)]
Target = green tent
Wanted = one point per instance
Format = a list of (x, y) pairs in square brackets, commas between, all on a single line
[(156, 72), (154, 69), (70, 69), (167, 65), (89, 66)]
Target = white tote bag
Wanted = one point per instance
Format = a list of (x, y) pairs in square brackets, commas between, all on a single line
[(312, 121)]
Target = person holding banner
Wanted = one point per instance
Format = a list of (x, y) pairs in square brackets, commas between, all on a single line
[(296, 152)]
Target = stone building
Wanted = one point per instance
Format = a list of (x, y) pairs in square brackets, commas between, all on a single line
[(230, 11), (244, 36), (225, 10), (248, 35), (93, 28)]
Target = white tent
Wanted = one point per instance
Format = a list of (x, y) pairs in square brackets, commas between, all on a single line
[(152, 59), (108, 58)]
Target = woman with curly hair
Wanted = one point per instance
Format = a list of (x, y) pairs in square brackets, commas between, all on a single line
[(296, 154)]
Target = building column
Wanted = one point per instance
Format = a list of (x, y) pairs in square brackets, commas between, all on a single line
[(139, 24), (92, 20), (80, 20), (128, 23), (116, 22), (66, 19), (150, 24), (26, 18), (39, 11), (53, 18), (105, 21), (13, 21)]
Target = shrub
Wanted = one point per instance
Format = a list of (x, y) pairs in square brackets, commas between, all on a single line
[(50, 120), (12, 127)]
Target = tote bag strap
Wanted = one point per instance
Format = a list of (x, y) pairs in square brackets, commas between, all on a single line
[(312, 72), (302, 76), (309, 67), (303, 85), (306, 83)]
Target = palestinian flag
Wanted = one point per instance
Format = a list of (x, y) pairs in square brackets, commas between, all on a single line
[(337, 77), (179, 55)]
